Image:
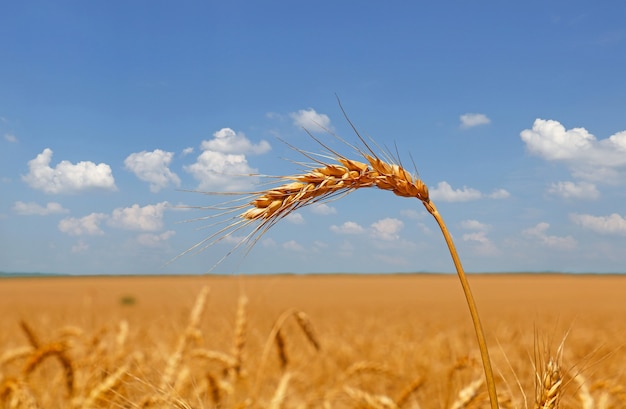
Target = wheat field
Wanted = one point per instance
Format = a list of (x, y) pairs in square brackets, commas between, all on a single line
[(310, 341)]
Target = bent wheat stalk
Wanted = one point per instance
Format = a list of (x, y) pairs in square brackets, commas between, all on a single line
[(323, 181)]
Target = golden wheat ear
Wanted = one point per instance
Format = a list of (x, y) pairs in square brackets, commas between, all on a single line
[(329, 176)]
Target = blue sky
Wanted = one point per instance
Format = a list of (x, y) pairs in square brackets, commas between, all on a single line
[(110, 112)]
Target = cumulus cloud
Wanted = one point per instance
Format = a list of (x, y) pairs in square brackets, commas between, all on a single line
[(66, 177), (223, 165), (228, 141), (538, 232), (612, 224), (10, 138), (155, 240), (323, 209), (187, 151), (84, 226), (573, 190), (483, 245), (387, 229), (295, 218), (310, 120), (146, 218), (152, 167), (587, 157), (474, 225), (80, 247), (499, 194), (347, 228), (32, 208), (445, 193), (471, 120), (293, 245)]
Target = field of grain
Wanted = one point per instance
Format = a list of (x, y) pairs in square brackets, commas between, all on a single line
[(344, 341)]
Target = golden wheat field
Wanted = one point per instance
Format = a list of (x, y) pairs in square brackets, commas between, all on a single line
[(316, 341)]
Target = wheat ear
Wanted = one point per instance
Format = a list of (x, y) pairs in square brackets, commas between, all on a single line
[(175, 359), (549, 388), (20, 395), (323, 181), (239, 341), (54, 349), (369, 400)]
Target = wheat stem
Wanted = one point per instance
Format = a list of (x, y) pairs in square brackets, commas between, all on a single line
[(480, 335)]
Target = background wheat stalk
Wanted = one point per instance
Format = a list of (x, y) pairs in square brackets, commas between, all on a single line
[(333, 175)]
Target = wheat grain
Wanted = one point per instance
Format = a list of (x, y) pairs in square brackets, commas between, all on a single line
[(549, 388), (281, 392), (54, 349), (323, 181), (370, 400), (14, 354), (239, 335), (584, 394), (468, 394), (409, 390), (107, 385), (33, 339), (214, 390), (281, 349), (307, 327), (176, 357), (225, 359), (17, 394)]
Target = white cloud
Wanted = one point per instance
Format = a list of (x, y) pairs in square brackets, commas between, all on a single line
[(147, 218), (347, 228), (499, 194), (34, 208), (152, 167), (539, 232), (445, 193), (413, 214), (474, 225), (386, 229), (573, 190), (471, 120), (154, 240), (88, 225), (612, 224), (310, 120), (228, 141), (293, 245), (587, 157), (67, 177), (295, 218), (222, 165), (484, 246), (323, 209), (10, 138), (187, 151), (80, 247), (217, 171)]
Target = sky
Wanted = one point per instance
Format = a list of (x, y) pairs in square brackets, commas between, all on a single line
[(116, 115)]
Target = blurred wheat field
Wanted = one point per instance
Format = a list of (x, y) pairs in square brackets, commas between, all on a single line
[(310, 341)]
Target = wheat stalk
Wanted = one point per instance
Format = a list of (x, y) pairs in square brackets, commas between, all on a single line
[(323, 181)]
